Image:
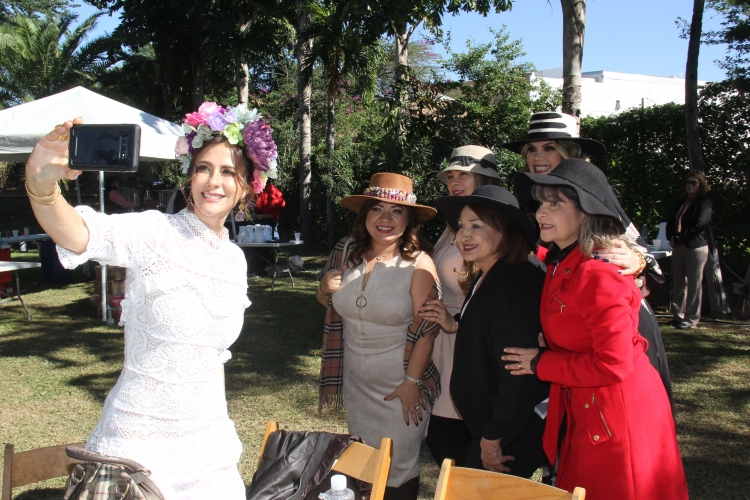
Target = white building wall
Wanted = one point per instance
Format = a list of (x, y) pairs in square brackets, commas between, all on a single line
[(607, 92)]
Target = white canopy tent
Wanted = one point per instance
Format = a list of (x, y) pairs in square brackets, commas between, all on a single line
[(21, 127)]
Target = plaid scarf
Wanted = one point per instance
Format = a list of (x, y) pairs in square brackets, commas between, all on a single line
[(331, 381)]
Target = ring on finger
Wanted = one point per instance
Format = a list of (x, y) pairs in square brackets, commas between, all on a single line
[(417, 407), (519, 366), (62, 138)]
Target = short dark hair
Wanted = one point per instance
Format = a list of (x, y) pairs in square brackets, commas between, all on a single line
[(513, 248)]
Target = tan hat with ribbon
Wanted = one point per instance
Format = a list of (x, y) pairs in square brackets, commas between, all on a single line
[(476, 159), (390, 188)]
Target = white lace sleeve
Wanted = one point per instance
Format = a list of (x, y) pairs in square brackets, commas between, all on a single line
[(112, 238)]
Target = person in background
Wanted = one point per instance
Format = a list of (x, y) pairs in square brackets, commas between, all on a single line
[(688, 232), (504, 415), (553, 137), (620, 439), (114, 202), (268, 204), (470, 167), (187, 295), (376, 348)]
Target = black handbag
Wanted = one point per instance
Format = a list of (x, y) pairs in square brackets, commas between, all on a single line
[(100, 477)]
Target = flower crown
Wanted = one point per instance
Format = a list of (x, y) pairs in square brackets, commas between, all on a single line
[(241, 127)]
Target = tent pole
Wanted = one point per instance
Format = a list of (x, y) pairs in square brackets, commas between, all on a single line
[(78, 190), (104, 268), (234, 226)]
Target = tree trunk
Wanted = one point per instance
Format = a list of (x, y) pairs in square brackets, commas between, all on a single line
[(695, 155), (717, 297), (197, 83), (304, 92), (330, 145), (242, 75), (166, 91), (401, 73), (574, 29)]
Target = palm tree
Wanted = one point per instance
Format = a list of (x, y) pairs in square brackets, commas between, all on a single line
[(339, 50), (40, 57)]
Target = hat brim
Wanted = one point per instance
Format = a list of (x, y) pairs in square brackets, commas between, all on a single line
[(451, 207), (524, 182), (591, 147), (475, 168), (355, 202)]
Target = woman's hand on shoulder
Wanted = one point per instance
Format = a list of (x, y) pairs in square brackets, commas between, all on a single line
[(48, 162), (519, 358), (331, 281), (435, 311), (621, 256), (410, 396)]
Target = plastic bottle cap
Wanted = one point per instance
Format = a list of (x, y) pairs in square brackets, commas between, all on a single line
[(338, 482)]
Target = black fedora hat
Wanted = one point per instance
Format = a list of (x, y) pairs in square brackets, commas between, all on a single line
[(494, 197), (551, 125), (583, 177)]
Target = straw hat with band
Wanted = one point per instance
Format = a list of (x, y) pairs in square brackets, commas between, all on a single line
[(476, 159), (551, 125), (390, 188), (495, 198), (584, 178)]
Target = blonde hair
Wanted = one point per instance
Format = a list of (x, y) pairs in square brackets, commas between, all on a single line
[(596, 231), (567, 149)]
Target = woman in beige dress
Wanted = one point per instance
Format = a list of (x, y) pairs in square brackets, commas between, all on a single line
[(376, 352)]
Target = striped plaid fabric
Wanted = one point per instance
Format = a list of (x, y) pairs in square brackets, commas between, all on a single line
[(101, 481), (331, 382)]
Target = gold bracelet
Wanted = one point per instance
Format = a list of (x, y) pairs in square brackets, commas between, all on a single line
[(44, 200)]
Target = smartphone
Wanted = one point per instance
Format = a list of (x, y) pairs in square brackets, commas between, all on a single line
[(112, 148)]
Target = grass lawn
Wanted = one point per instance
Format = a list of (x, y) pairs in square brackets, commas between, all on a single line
[(56, 369)]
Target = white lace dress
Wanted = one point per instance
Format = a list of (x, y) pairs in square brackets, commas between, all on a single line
[(186, 294)]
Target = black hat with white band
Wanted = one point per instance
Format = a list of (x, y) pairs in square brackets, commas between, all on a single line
[(551, 125)]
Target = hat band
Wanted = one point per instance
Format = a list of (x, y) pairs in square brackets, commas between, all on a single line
[(391, 194), (467, 161)]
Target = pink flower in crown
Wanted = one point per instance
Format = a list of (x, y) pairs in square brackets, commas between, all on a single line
[(182, 147), (208, 108), (257, 183), (194, 119), (259, 144)]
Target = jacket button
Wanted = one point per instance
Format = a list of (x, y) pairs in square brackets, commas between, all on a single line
[(586, 405), (567, 270), (596, 437)]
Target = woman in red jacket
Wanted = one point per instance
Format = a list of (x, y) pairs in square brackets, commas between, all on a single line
[(620, 440)]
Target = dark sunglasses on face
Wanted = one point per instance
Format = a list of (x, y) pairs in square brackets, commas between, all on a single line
[(691, 183)]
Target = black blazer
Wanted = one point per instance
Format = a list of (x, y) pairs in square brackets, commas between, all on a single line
[(696, 223), (503, 313)]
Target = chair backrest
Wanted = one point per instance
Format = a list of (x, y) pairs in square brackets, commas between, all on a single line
[(359, 461), (459, 483), (31, 466)]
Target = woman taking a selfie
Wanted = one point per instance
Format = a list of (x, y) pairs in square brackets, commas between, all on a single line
[(186, 296), (376, 349), (608, 401)]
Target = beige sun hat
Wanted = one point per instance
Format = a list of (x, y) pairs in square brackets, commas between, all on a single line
[(476, 159)]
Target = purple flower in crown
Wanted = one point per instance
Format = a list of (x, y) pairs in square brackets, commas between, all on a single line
[(259, 144), (190, 138), (216, 121)]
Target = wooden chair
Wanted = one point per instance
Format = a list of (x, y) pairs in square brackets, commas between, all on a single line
[(31, 466), (459, 483), (359, 461)]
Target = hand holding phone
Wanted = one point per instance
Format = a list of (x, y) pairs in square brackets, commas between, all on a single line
[(48, 162), (111, 148)]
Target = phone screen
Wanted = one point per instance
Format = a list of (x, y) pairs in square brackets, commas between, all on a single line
[(114, 148)]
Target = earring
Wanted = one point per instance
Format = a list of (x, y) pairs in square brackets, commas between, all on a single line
[(240, 215), (190, 199)]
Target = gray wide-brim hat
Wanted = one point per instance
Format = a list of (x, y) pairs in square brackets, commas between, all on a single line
[(476, 159), (554, 126), (495, 198), (583, 177)]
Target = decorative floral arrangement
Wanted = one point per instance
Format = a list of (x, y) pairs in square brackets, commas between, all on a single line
[(241, 127)]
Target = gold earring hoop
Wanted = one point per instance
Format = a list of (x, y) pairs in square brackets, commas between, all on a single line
[(242, 212)]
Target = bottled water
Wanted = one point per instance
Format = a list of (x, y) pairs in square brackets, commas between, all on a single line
[(338, 490)]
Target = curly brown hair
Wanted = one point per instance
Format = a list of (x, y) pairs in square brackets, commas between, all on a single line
[(408, 246)]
